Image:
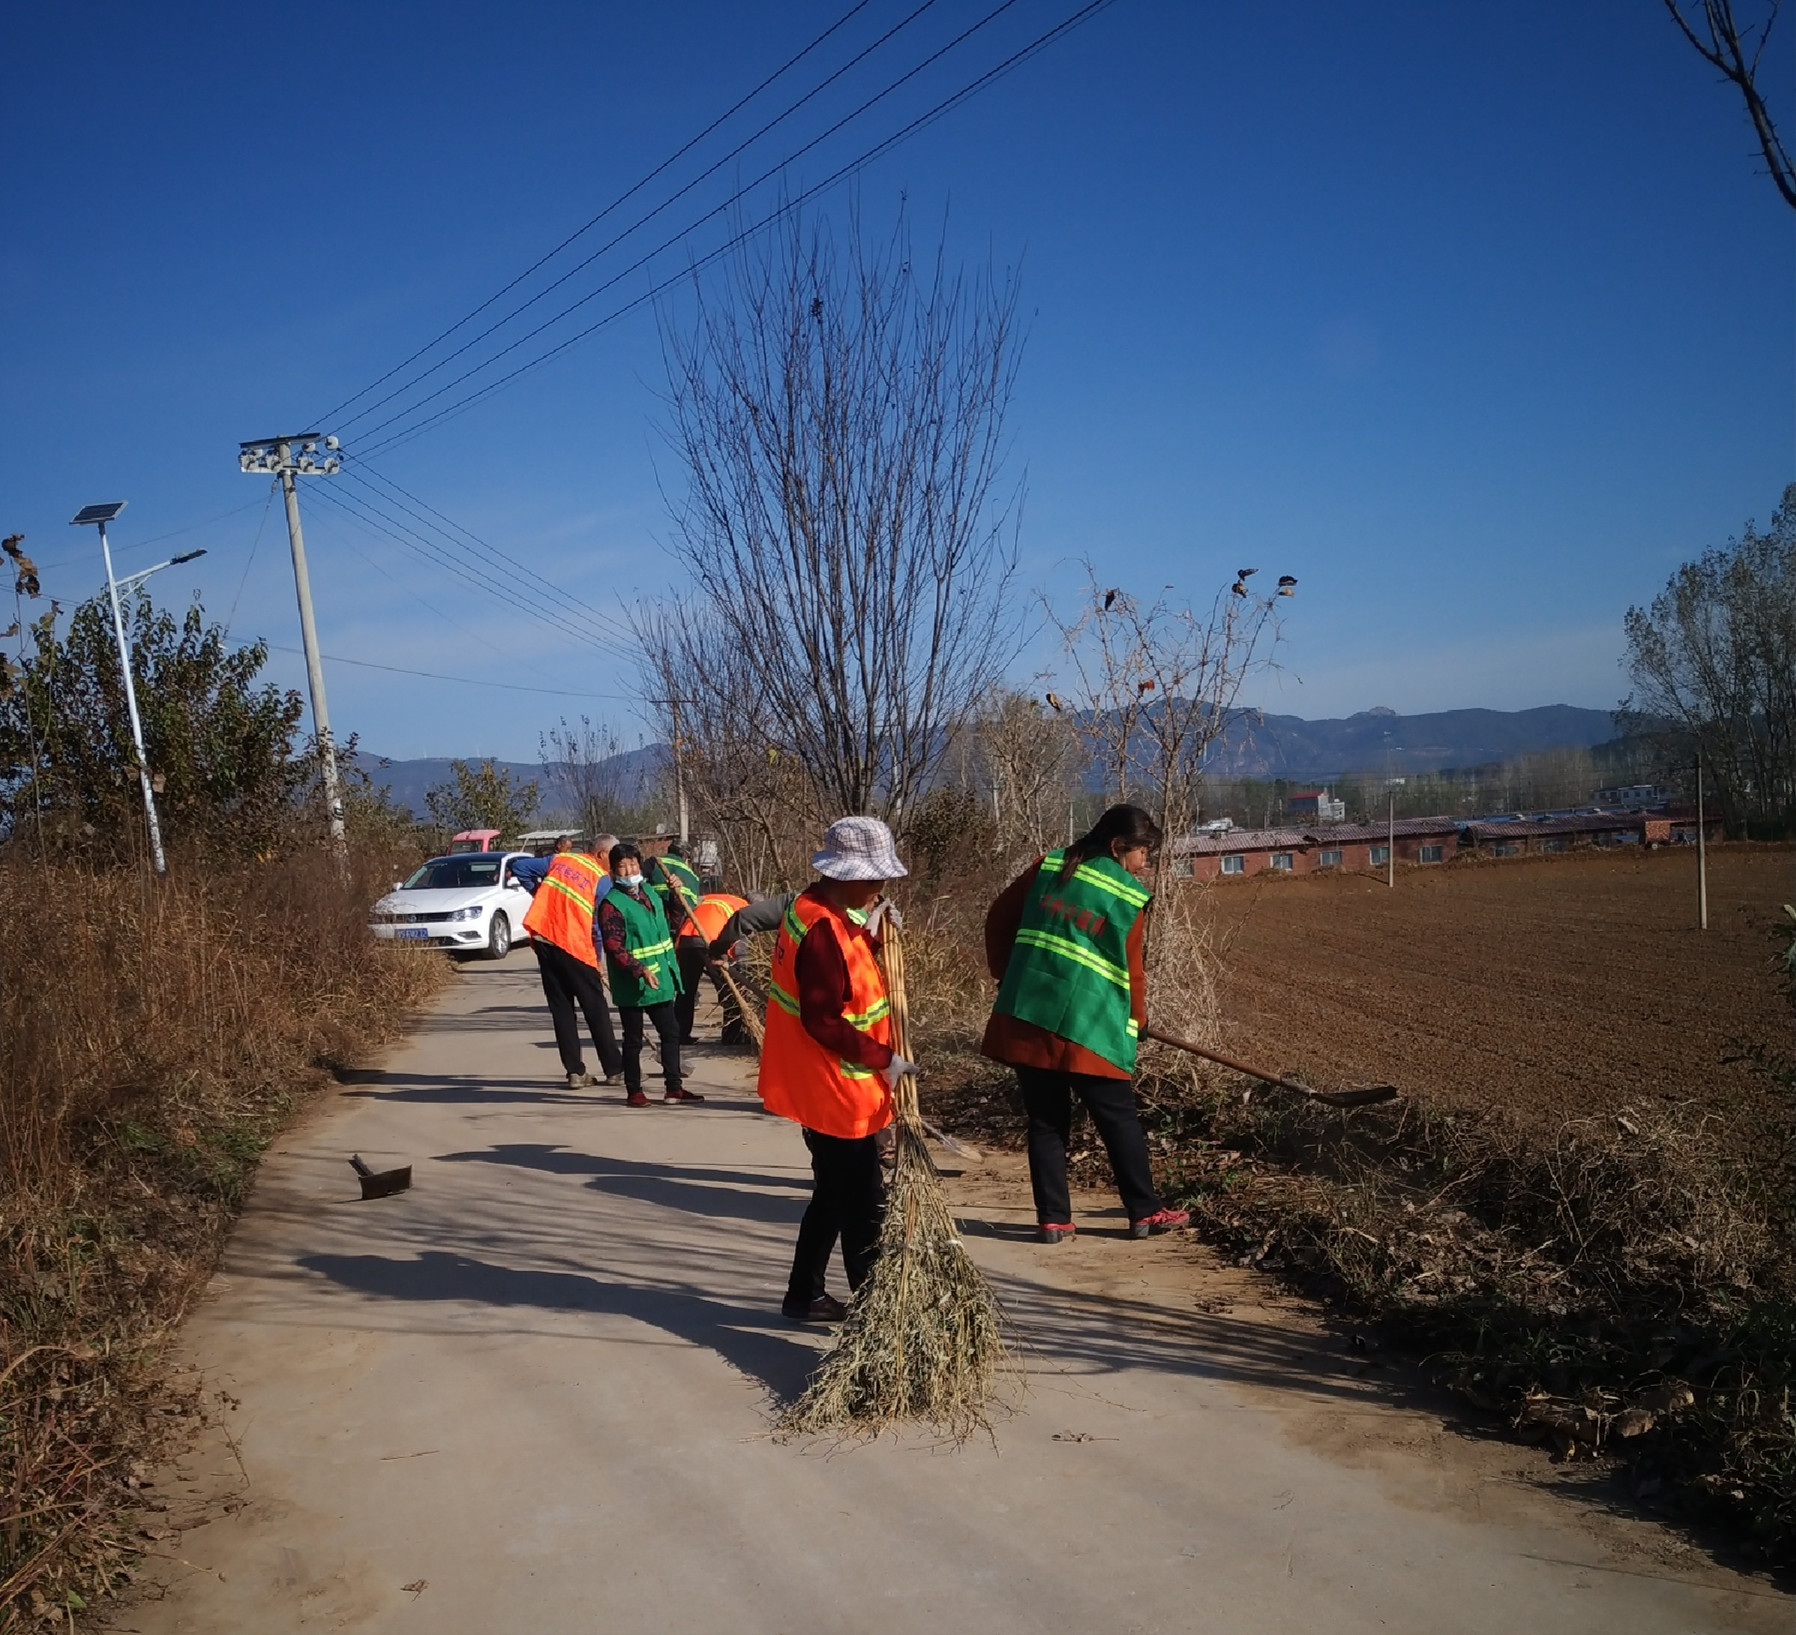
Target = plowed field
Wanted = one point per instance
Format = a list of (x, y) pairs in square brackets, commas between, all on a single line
[(1552, 987)]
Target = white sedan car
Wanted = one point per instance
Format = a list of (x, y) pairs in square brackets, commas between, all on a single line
[(471, 903)]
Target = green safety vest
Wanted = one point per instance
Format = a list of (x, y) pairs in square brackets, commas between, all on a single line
[(1069, 971), (670, 868), (649, 940)]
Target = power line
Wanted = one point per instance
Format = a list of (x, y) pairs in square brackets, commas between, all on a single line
[(476, 573), (254, 546), (946, 105), (472, 574), (682, 233), (466, 681), (630, 192), (431, 607), (641, 221), (449, 528), (144, 544)]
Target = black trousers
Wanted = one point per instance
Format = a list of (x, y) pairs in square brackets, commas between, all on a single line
[(1048, 1100), (848, 1201), (666, 1032), (567, 983), (691, 954)]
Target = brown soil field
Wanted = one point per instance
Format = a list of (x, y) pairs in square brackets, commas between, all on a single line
[(1548, 987)]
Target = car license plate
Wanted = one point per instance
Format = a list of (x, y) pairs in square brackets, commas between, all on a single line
[(414, 933)]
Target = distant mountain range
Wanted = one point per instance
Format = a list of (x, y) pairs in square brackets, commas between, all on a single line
[(407, 781), (1273, 746), (1377, 740)]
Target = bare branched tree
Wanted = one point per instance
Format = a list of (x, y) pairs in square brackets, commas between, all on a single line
[(839, 417), (581, 766), (1153, 684), (1026, 760), (1710, 27), (741, 775), (1713, 662)]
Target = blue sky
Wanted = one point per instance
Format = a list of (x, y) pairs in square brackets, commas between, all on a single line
[(1477, 319)]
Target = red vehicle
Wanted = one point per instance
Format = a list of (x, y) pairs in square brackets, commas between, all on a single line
[(475, 840)]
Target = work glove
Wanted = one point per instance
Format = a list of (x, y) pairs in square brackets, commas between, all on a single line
[(879, 913), (895, 1069)]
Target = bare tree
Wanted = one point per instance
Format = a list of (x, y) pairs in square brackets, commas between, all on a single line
[(1154, 684), (581, 765), (740, 772), (1710, 27), (839, 416), (1027, 761), (1713, 661)]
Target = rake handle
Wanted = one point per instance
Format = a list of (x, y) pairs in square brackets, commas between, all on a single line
[(1230, 1062)]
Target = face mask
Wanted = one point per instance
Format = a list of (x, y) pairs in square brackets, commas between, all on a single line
[(631, 880)]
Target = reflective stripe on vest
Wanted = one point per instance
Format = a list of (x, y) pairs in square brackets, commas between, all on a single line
[(1069, 970), (801, 1080), (649, 942), (561, 911)]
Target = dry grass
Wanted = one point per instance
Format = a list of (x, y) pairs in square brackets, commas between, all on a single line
[(152, 1040)]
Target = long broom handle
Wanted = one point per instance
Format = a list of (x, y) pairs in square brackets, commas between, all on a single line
[(1228, 1062), (891, 957)]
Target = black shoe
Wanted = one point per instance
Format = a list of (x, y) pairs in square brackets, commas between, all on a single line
[(824, 1309)]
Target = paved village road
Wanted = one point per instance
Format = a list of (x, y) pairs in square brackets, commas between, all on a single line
[(533, 1394)]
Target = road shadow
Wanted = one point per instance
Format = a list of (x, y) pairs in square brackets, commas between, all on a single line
[(715, 1194), (736, 1333), (452, 1090)]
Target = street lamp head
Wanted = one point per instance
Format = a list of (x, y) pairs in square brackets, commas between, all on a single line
[(98, 513), (185, 556)]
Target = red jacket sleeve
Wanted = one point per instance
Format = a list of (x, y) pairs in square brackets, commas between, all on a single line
[(822, 975), (1003, 918)]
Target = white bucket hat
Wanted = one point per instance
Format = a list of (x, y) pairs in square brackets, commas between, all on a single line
[(858, 848)]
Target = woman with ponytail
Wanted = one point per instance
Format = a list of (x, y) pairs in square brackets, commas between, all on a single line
[(1065, 942)]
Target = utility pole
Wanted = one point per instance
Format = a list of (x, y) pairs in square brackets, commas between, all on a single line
[(1702, 855), (275, 455), (99, 516), (1390, 848), (673, 707)]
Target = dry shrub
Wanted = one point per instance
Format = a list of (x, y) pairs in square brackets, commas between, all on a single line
[(153, 1038), (1617, 1285), (1183, 997)]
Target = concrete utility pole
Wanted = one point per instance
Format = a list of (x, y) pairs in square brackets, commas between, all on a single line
[(1702, 855), (99, 516), (673, 707), (1390, 849), (275, 455)]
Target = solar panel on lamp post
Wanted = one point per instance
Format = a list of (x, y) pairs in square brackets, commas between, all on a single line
[(98, 516)]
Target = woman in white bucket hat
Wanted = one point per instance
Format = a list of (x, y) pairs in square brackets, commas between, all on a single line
[(827, 1062)]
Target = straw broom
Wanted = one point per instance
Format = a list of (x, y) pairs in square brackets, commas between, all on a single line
[(923, 1336)]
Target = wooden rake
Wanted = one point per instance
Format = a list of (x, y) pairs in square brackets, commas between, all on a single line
[(1364, 1096)]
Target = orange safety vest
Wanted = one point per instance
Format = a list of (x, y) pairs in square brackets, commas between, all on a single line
[(713, 912), (561, 910), (800, 1080)]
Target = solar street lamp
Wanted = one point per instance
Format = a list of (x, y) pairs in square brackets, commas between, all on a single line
[(98, 516)]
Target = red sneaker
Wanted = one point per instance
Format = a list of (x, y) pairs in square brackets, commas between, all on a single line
[(1050, 1232), (636, 1099), (682, 1095), (1162, 1220)]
